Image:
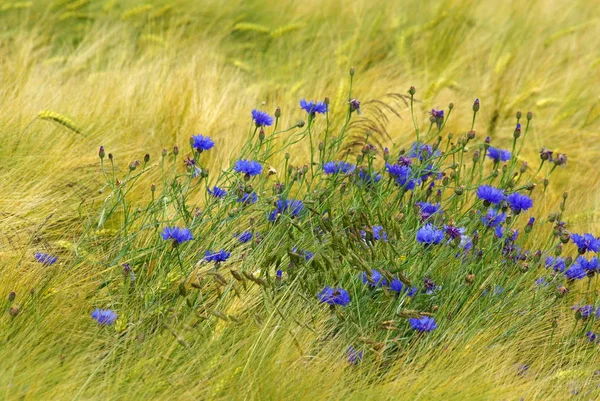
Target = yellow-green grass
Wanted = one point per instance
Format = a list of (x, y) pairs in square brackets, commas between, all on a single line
[(137, 77)]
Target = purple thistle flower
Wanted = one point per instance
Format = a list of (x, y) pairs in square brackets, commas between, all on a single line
[(424, 324), (334, 296), (261, 119), (586, 242), (490, 194), (518, 202), (178, 234), (291, 207), (375, 279), (338, 167), (104, 317), (201, 143), (248, 167), (498, 155), (45, 258), (217, 257), (217, 192), (312, 107), (429, 235)]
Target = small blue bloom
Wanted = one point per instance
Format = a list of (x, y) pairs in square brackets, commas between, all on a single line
[(398, 286), (217, 192), (490, 194), (585, 311), (541, 282), (586, 242), (338, 167), (436, 113), (591, 336), (402, 174), (354, 356), (201, 143), (307, 255), (367, 178), (279, 274), (558, 264), (248, 199), (261, 119), (177, 234), (429, 209), (421, 152), (428, 235), (493, 218), (217, 257), (499, 231), (575, 272), (375, 279), (334, 296), (378, 233), (248, 167), (45, 258), (424, 324), (104, 317), (245, 237), (518, 202), (498, 155), (312, 107), (290, 207)]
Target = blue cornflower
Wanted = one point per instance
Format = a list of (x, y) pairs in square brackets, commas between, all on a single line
[(466, 242), (499, 231), (490, 194), (334, 296), (519, 202), (586, 242), (585, 311), (248, 199), (453, 232), (307, 255), (424, 324), (428, 209), (541, 282), (498, 155), (430, 286), (261, 119), (177, 234), (244, 237), (375, 279), (338, 167), (312, 107), (248, 167), (436, 113), (279, 274), (402, 174), (368, 178), (217, 257), (558, 264), (399, 287), (493, 218), (291, 207), (354, 356), (201, 143), (428, 235), (45, 258), (591, 336), (378, 233), (421, 152), (497, 291), (217, 192), (576, 272), (104, 317)]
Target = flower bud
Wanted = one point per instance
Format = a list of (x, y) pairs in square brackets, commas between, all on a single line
[(471, 135), (412, 91), (450, 106), (175, 150), (352, 71), (546, 183), (445, 181), (101, 152), (529, 115), (13, 311), (386, 154), (12, 296), (488, 140), (561, 159), (562, 291), (476, 106), (519, 115), (261, 134), (565, 237), (277, 112), (110, 156), (287, 156), (517, 132), (470, 278), (300, 123), (459, 190), (523, 168), (321, 146), (476, 156), (565, 195), (153, 187), (164, 152), (146, 158), (326, 100), (558, 250)]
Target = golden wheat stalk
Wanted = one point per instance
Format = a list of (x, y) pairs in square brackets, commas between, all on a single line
[(66, 122)]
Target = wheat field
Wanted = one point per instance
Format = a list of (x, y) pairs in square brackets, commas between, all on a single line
[(139, 77)]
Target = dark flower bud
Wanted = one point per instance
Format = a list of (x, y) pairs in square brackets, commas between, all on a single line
[(300, 123), (523, 168), (354, 106), (13, 311), (546, 183), (287, 156), (546, 154), (562, 291), (476, 106), (146, 158), (504, 168), (134, 165), (558, 250), (530, 186), (445, 181), (476, 156), (450, 106), (101, 152), (352, 71), (321, 145), (164, 152), (277, 112), (450, 136), (359, 158), (470, 278), (153, 187), (488, 140), (517, 133), (326, 100), (412, 91), (568, 261), (12, 296), (459, 190), (565, 195), (561, 159), (529, 116), (565, 237), (471, 135), (386, 154), (110, 156), (475, 239), (519, 115), (175, 150), (432, 119), (261, 134)]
